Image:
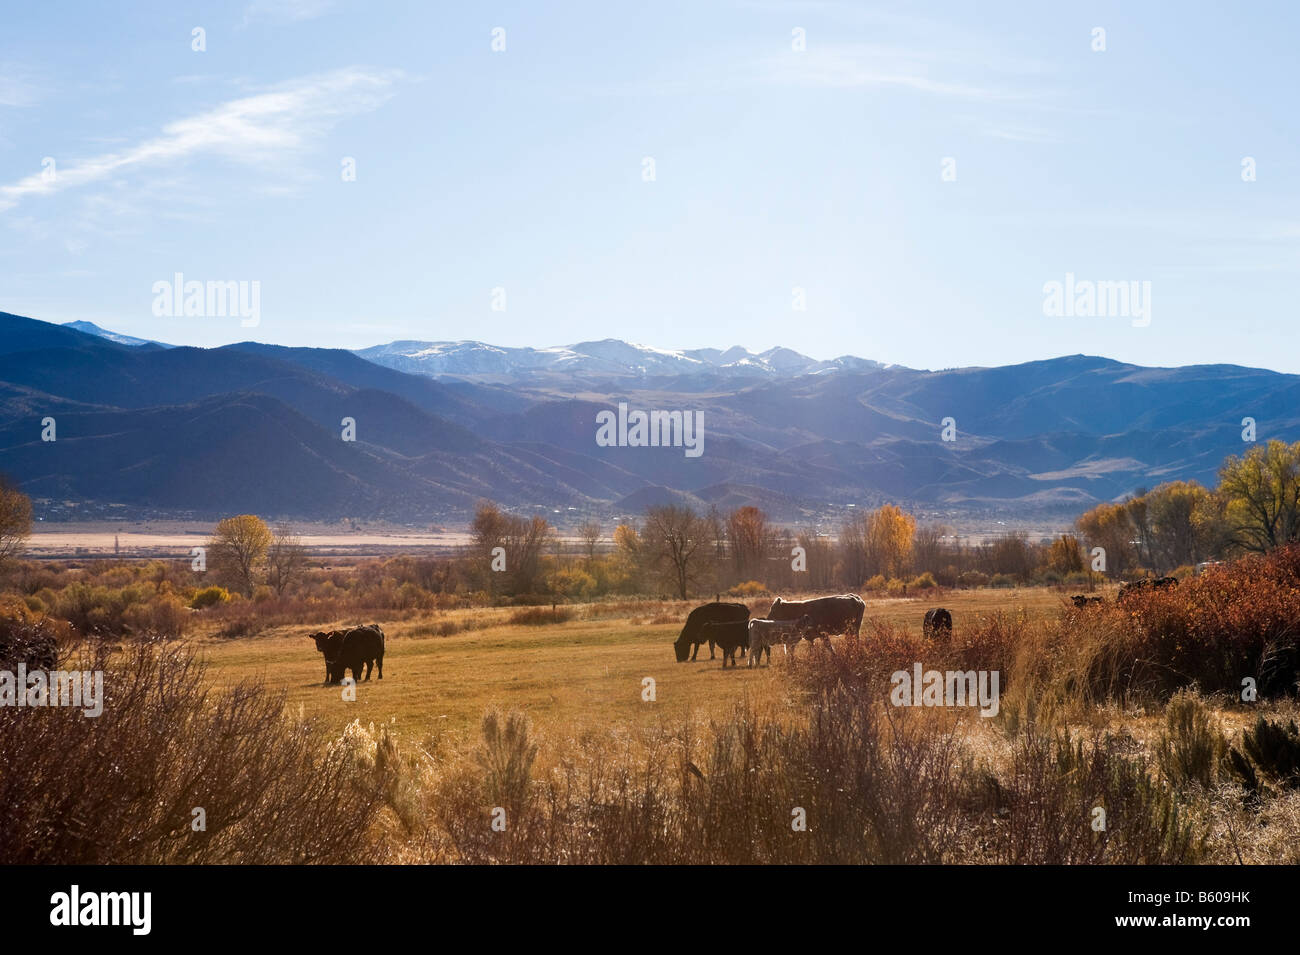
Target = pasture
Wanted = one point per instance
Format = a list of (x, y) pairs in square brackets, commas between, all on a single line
[(569, 677)]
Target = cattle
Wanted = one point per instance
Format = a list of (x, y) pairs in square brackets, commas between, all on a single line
[(763, 633), (937, 624), (1083, 600), (729, 635), (327, 642), (842, 614), (351, 650), (1147, 583), (359, 646), (692, 635)]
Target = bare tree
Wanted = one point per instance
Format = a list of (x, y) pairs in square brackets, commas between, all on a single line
[(749, 534), (286, 559), (675, 536), (522, 541), (589, 535)]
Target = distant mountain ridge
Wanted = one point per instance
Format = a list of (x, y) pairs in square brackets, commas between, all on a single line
[(155, 431), (610, 357)]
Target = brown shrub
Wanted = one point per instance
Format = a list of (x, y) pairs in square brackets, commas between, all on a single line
[(164, 745)]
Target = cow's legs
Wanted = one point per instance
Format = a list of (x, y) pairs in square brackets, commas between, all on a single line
[(380, 663), (694, 651), (370, 665), (710, 649)]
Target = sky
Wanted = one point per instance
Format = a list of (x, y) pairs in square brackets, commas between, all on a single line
[(897, 181)]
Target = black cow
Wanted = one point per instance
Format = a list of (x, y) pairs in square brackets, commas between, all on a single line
[(692, 635), (937, 624), (328, 642), (359, 646), (1083, 600), (1147, 583), (842, 614), (352, 650), (729, 635)]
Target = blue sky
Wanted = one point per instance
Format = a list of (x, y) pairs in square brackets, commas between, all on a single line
[(774, 169)]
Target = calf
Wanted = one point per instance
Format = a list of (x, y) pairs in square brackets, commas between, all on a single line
[(763, 633), (730, 636)]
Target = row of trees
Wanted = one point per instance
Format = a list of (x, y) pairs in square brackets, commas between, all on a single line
[(1255, 508), (676, 550)]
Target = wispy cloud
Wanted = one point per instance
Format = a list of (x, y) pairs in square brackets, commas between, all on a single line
[(285, 11), (846, 66), (253, 129), (17, 87)]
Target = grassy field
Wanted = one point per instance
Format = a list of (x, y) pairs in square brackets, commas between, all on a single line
[(578, 675)]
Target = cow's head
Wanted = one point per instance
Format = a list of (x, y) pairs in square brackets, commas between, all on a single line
[(322, 640), (682, 648), (771, 612)]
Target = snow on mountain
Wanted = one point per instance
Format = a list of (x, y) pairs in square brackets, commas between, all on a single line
[(90, 328), (609, 357)]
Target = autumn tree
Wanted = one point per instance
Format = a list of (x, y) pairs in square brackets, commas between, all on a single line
[(1262, 492), (15, 520), (677, 538), (1109, 527), (889, 540), (238, 549), (1065, 555), (1184, 527), (286, 559)]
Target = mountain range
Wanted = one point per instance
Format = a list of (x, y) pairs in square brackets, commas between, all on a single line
[(147, 429)]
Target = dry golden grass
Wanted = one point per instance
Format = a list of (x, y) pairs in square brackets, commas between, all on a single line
[(571, 677)]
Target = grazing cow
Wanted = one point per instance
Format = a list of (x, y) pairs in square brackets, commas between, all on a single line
[(693, 635), (1147, 583), (327, 642), (729, 635), (937, 624), (842, 614), (1083, 600), (359, 646), (764, 633)]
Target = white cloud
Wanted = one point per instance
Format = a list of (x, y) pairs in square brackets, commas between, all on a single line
[(268, 125)]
